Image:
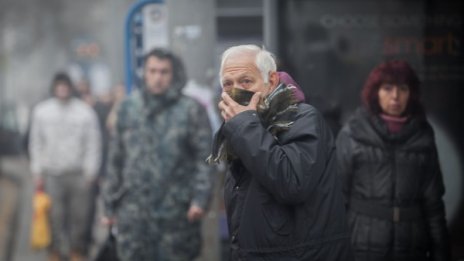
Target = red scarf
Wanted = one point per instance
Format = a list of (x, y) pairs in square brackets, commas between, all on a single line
[(394, 124)]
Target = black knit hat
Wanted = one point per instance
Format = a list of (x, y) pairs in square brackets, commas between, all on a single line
[(62, 77)]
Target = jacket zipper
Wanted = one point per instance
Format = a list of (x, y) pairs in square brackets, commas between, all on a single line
[(393, 196)]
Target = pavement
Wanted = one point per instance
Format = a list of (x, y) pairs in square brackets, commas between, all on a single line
[(9, 196), (16, 191), (16, 179)]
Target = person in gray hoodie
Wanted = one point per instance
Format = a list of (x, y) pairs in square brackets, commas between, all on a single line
[(65, 151)]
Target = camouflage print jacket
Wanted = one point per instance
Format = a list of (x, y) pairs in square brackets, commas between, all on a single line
[(156, 163)]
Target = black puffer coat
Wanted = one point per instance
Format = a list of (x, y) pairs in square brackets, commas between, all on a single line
[(393, 187), (283, 198)]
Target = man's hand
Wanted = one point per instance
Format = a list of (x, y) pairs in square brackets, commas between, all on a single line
[(91, 181), (39, 184), (107, 221), (229, 108), (195, 213)]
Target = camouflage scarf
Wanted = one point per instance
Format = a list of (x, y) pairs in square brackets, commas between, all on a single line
[(156, 103), (275, 112)]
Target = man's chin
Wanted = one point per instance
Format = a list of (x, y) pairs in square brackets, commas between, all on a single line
[(156, 91)]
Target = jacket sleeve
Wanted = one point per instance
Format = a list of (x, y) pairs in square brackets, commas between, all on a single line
[(200, 137), (344, 150), (112, 189), (92, 144), (36, 144), (435, 210), (290, 171)]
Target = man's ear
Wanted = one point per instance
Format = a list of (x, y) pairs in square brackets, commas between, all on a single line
[(273, 80)]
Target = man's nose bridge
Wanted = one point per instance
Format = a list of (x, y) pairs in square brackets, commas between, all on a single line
[(236, 85), (157, 75)]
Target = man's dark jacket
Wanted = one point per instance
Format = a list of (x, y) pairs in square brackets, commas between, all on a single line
[(282, 195)]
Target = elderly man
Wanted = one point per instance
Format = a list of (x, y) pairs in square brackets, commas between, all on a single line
[(158, 185), (283, 198)]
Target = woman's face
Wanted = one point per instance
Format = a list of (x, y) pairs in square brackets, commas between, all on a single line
[(393, 98)]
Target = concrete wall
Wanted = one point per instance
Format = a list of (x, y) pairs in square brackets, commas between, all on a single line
[(38, 37), (196, 49)]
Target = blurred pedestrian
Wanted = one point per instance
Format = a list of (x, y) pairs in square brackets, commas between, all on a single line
[(102, 105), (283, 199), (65, 156), (84, 92), (118, 95), (389, 165), (158, 186)]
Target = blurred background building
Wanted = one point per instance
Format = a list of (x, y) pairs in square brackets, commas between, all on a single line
[(329, 47)]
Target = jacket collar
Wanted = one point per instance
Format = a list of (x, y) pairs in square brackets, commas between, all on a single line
[(372, 129)]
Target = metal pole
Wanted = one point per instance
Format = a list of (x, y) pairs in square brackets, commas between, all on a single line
[(134, 10), (271, 25)]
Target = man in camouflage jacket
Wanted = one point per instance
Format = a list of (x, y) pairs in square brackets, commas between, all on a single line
[(158, 185)]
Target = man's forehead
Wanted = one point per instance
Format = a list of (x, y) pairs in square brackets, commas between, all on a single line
[(157, 60), (228, 74), (243, 65), (240, 58), (240, 71)]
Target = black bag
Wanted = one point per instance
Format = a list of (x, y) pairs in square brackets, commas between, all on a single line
[(107, 252)]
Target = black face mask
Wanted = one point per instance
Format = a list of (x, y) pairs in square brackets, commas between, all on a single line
[(240, 96)]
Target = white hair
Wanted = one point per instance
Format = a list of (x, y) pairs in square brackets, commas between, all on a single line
[(264, 60)]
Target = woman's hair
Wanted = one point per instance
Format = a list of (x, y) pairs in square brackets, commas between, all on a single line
[(62, 77), (392, 72), (264, 60)]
